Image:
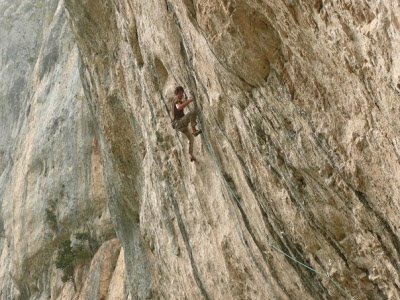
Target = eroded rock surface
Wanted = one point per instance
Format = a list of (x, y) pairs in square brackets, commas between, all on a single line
[(51, 184), (299, 153)]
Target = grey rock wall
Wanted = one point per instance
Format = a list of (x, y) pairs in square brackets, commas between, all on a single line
[(51, 184)]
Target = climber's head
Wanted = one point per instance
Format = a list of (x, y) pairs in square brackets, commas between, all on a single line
[(179, 91)]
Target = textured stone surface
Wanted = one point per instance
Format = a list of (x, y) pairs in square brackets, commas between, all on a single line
[(300, 153), (299, 106), (51, 183), (101, 271), (117, 290)]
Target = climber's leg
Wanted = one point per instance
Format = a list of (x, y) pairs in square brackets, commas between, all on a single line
[(193, 122), (190, 137), (191, 118)]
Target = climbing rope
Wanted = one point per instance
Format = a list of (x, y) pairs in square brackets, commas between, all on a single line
[(336, 284), (342, 290)]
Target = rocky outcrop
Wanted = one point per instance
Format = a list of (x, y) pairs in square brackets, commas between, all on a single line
[(295, 192), (51, 184)]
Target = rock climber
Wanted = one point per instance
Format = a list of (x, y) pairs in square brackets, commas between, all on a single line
[(181, 120)]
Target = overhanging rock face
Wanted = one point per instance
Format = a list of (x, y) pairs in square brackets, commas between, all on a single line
[(299, 108), (295, 194)]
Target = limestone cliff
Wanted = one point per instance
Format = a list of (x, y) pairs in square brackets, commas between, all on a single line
[(295, 194), (51, 184)]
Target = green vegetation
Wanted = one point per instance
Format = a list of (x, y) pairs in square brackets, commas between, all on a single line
[(51, 219), (70, 255), (65, 260)]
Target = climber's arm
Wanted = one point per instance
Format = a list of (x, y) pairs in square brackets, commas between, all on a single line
[(185, 103)]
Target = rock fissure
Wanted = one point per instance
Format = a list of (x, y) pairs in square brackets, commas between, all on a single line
[(189, 250)]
